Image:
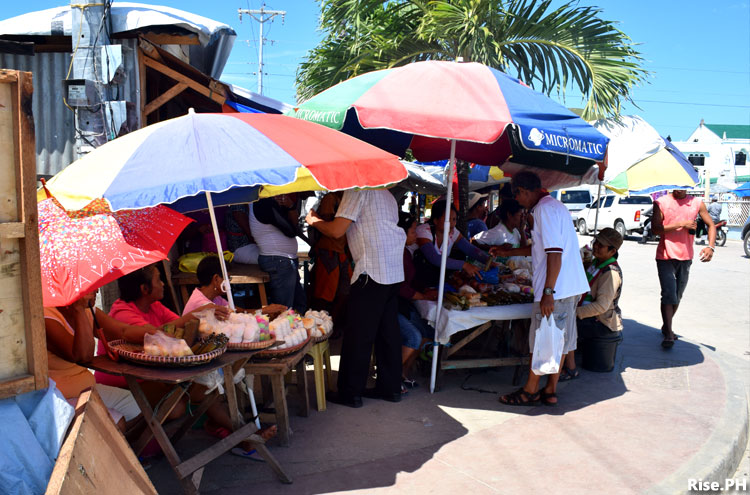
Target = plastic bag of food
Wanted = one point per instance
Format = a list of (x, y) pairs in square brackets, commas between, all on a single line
[(160, 344), (548, 347), (208, 322)]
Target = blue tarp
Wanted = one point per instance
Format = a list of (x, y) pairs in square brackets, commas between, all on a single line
[(743, 191), (32, 430)]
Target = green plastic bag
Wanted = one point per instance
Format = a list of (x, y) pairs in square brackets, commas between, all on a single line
[(188, 263)]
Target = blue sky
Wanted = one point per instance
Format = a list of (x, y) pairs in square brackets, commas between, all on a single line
[(698, 53)]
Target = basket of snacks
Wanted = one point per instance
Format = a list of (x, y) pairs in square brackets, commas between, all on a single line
[(160, 349)]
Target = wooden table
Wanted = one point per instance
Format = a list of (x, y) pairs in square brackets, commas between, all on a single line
[(238, 274), (274, 370), (190, 471), (478, 321)]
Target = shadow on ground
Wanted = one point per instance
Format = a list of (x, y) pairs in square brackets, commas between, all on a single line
[(344, 449)]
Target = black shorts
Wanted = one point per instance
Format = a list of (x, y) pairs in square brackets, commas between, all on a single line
[(673, 277)]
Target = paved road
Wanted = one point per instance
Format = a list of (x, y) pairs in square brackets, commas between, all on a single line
[(715, 310)]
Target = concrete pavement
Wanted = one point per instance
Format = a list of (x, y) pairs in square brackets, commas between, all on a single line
[(659, 419)]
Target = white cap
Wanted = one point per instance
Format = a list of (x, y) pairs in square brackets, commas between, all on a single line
[(474, 198)]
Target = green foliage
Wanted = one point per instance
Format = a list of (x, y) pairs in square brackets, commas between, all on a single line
[(547, 48)]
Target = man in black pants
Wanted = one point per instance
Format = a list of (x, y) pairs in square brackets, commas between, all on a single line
[(370, 221)]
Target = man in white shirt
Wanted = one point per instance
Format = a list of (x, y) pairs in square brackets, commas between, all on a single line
[(370, 221), (558, 280)]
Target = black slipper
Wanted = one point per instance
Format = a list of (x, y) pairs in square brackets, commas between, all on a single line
[(667, 344), (545, 397), (567, 374)]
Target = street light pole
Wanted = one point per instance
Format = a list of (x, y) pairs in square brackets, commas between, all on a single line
[(261, 15)]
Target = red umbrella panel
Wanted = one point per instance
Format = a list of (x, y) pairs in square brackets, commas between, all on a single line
[(83, 250)]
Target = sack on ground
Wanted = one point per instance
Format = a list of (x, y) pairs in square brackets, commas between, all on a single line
[(548, 347)]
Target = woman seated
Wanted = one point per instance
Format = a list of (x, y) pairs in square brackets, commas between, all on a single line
[(414, 330), (140, 294), (209, 292), (430, 242), (70, 340), (509, 231), (598, 313)]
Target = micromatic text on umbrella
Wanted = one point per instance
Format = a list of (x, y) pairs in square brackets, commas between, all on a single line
[(321, 117), (565, 143)]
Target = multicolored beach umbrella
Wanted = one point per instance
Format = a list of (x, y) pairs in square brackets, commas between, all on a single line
[(238, 156), (182, 162), (491, 116), (640, 160)]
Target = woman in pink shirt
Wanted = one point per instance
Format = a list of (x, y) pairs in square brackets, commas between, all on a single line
[(140, 294), (209, 291)]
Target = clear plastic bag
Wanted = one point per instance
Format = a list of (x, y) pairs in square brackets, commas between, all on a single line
[(548, 347), (160, 344)]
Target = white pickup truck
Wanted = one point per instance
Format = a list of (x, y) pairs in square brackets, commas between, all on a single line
[(623, 213)]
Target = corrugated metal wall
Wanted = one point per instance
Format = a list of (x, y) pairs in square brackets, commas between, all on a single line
[(53, 121)]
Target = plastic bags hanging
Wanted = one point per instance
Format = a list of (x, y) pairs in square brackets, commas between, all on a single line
[(548, 347)]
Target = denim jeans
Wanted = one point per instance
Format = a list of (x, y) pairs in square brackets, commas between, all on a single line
[(414, 329), (285, 286)]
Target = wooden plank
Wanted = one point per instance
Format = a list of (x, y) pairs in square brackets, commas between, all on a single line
[(95, 457), (164, 97), (302, 387), (282, 410), (461, 343), (36, 342), (234, 413), (171, 39), (167, 265), (17, 386), (194, 85), (455, 364), (12, 230), (8, 76)]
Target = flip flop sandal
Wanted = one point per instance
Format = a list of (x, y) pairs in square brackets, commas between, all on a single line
[(517, 398), (545, 397), (568, 374), (409, 383), (667, 344), (247, 454)]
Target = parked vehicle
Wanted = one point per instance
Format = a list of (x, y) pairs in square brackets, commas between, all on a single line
[(646, 234), (576, 198), (746, 237), (623, 213)]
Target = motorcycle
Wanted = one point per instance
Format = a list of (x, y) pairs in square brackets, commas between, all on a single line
[(647, 234)]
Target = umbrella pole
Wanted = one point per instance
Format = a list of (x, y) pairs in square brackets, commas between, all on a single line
[(598, 204), (443, 260), (224, 285)]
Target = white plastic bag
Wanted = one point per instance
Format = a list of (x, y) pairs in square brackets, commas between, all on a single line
[(548, 346)]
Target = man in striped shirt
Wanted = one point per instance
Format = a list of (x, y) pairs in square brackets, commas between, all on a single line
[(370, 221)]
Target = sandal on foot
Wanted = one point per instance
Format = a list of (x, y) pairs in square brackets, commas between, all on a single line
[(247, 454), (409, 383), (667, 344), (569, 374), (545, 397), (519, 398)]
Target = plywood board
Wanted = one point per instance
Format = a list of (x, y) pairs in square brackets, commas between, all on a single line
[(13, 358), (96, 458)]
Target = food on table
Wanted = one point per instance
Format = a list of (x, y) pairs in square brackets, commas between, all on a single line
[(210, 343), (161, 344), (239, 328), (290, 328), (319, 323)]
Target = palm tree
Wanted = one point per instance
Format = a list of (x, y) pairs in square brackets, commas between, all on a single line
[(551, 49)]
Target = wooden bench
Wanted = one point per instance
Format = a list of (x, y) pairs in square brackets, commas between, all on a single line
[(238, 274), (272, 373)]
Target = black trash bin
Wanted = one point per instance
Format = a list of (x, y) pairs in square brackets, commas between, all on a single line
[(598, 353)]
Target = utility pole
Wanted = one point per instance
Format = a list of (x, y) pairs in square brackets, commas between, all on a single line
[(261, 15)]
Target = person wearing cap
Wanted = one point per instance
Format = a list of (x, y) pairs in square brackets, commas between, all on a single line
[(674, 221), (598, 313), (477, 214)]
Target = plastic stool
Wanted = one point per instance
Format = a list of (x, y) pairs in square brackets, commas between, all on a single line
[(321, 354)]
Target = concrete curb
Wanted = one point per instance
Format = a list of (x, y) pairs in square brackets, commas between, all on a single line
[(720, 456)]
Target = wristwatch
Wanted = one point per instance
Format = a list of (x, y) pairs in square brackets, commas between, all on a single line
[(548, 291)]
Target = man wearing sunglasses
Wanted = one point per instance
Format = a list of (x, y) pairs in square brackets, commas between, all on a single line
[(558, 279)]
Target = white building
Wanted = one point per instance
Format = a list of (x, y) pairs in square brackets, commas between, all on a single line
[(721, 148)]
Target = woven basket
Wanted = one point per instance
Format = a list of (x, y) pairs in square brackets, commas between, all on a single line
[(135, 354), (250, 346), (272, 353)]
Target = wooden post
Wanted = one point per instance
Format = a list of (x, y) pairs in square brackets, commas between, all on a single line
[(23, 351)]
